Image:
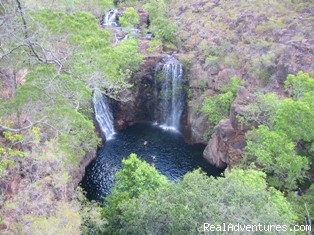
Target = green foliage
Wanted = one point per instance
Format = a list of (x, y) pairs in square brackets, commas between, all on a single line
[(299, 84), (95, 52), (129, 17), (66, 220), (104, 4), (90, 212), (262, 66), (163, 29), (232, 86), (217, 107), (283, 124), (183, 208), (274, 153), (66, 102), (302, 202), (262, 111), (160, 25), (135, 177), (13, 138), (5, 163), (71, 5), (296, 118), (212, 63), (127, 57), (154, 45), (76, 130), (9, 150)]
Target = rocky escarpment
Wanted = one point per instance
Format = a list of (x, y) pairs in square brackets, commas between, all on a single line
[(259, 43), (226, 144), (256, 42), (138, 103)]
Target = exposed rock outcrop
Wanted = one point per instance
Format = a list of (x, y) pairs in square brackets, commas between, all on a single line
[(138, 103), (143, 14), (78, 172), (226, 144), (226, 39)]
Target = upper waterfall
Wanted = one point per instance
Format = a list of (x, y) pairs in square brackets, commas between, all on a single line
[(110, 18), (172, 93), (103, 113)]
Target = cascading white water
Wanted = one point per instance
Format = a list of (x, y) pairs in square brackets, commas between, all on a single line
[(172, 94), (110, 18), (103, 114)]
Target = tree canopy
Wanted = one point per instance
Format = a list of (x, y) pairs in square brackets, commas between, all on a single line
[(183, 207)]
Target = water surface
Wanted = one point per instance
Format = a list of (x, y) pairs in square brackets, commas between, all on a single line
[(165, 149)]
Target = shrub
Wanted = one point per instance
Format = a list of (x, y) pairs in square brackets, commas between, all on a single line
[(129, 17)]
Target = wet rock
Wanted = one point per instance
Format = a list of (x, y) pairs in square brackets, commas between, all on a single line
[(195, 126), (138, 103), (77, 173)]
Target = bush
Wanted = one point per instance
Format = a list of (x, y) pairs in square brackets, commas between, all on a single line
[(160, 26), (218, 107), (299, 84), (262, 111), (129, 17)]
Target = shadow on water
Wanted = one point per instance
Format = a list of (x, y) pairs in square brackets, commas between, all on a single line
[(166, 150)]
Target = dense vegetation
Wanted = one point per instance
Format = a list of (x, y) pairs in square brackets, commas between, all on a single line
[(144, 202), (54, 53), (46, 119)]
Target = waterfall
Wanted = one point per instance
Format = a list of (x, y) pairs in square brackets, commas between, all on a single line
[(110, 18), (172, 93), (103, 114)]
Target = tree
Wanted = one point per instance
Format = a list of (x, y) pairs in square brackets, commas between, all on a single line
[(275, 154), (263, 111), (183, 208), (129, 17), (299, 84), (302, 202), (135, 177), (160, 25), (296, 115), (296, 118)]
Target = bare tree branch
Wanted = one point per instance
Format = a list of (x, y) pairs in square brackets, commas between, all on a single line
[(32, 45), (12, 50), (5, 128), (20, 8)]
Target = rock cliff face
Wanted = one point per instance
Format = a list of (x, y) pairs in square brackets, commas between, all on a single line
[(138, 103), (226, 144), (258, 43), (77, 173), (221, 40)]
